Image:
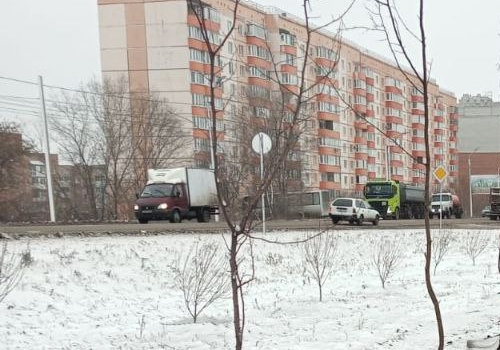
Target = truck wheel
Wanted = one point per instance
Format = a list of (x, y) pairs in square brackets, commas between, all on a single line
[(396, 214), (205, 215), (176, 217), (143, 221)]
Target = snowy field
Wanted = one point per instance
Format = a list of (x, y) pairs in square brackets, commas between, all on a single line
[(120, 292)]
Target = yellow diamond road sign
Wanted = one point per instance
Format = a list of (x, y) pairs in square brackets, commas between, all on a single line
[(440, 173)]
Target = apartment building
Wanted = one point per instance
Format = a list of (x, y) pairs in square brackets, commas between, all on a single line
[(368, 120)]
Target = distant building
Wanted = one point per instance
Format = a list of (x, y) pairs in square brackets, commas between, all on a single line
[(479, 147), (24, 190), (157, 46)]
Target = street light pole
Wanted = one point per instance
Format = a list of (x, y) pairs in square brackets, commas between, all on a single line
[(470, 181)]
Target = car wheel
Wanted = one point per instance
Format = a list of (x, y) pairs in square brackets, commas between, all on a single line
[(176, 217), (143, 221), (375, 222), (360, 220)]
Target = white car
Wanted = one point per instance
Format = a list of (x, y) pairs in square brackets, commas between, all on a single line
[(353, 210)]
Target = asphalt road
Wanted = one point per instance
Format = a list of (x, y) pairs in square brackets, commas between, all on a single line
[(160, 227)]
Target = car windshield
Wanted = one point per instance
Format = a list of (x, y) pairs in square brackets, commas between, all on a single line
[(157, 190)]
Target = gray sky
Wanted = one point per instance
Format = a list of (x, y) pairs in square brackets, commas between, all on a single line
[(58, 39)]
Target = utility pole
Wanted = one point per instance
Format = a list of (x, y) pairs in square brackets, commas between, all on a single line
[(47, 152)]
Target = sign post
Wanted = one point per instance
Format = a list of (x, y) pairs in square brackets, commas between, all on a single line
[(261, 143), (440, 174)]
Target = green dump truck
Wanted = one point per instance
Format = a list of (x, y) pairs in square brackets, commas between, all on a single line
[(395, 200)]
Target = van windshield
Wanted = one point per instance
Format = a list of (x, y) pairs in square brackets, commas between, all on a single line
[(441, 198), (157, 190)]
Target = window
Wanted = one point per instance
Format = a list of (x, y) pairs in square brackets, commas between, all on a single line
[(328, 107), (329, 159), (199, 78), (287, 58), (329, 125), (258, 91), (209, 13), (287, 39), (257, 51), (326, 72), (261, 112), (201, 144), (359, 84), (258, 72), (332, 177), (196, 33), (289, 79), (199, 56), (257, 31), (330, 142), (324, 52)]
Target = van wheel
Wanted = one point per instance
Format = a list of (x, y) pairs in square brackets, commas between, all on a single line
[(176, 217)]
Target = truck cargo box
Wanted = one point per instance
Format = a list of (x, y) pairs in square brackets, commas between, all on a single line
[(200, 183)]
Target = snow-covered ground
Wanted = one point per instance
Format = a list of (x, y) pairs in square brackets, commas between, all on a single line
[(119, 293)]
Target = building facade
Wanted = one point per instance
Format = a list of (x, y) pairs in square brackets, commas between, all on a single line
[(368, 120), (479, 147)]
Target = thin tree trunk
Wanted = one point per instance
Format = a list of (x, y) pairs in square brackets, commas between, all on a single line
[(235, 292)]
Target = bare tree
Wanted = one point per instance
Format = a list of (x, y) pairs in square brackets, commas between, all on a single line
[(387, 255), (114, 136), (397, 34), (441, 245), (202, 277), (11, 269), (318, 256), (77, 139), (293, 99), (475, 244)]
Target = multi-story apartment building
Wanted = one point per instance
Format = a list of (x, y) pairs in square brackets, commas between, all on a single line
[(368, 120)]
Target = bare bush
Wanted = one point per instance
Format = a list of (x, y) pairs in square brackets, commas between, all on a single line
[(441, 245), (202, 276), (11, 269), (475, 244), (386, 257), (318, 256)]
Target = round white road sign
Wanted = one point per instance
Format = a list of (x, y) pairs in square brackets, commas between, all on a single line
[(261, 141)]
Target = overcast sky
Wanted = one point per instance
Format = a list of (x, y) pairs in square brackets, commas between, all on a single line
[(58, 39)]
